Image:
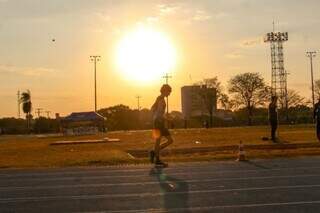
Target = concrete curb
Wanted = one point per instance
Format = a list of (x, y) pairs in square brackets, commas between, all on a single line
[(276, 146)]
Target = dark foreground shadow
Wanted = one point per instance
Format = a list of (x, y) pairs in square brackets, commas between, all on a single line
[(255, 164), (175, 192)]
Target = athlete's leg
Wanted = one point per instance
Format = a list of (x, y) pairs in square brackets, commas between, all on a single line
[(157, 148), (318, 130), (167, 143), (273, 130)]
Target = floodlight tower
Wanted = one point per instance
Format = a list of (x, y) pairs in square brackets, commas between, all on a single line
[(278, 73)]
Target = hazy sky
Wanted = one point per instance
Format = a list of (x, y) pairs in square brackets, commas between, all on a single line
[(212, 38)]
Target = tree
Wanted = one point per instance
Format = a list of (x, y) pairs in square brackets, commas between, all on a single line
[(12, 126), (27, 106), (209, 100), (121, 117), (295, 99), (45, 125), (317, 89), (250, 91), (222, 98)]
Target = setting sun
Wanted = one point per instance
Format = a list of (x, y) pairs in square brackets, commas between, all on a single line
[(145, 55)]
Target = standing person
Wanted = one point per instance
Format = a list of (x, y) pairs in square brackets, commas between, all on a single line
[(273, 117), (316, 117), (159, 125)]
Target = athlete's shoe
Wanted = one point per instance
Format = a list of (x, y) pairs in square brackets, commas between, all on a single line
[(161, 164), (151, 155)]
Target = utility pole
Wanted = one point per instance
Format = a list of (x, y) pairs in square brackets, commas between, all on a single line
[(138, 97), (48, 114), (95, 58), (312, 54), (167, 76), (38, 111), (19, 102)]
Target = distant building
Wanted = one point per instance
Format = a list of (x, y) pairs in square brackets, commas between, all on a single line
[(193, 100), (82, 123)]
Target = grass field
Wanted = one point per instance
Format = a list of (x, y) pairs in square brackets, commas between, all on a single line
[(32, 151)]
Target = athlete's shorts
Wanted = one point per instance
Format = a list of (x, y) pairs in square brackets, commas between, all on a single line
[(160, 128)]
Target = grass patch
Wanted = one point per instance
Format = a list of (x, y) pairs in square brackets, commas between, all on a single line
[(31, 151)]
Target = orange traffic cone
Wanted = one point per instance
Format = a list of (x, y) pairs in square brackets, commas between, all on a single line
[(241, 153)]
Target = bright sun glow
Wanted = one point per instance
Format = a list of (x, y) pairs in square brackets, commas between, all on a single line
[(145, 55)]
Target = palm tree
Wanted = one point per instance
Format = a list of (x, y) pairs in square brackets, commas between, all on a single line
[(26, 106)]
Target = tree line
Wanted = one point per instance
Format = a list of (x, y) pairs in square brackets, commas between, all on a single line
[(245, 100)]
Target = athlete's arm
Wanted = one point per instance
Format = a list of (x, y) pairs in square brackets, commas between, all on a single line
[(155, 105)]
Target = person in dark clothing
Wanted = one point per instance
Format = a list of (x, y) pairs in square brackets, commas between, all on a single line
[(160, 128), (316, 117), (273, 117)]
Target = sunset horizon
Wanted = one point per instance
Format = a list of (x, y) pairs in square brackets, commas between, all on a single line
[(46, 48)]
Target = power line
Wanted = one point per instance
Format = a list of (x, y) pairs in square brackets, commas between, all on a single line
[(138, 97), (48, 114), (167, 76), (311, 55), (95, 58), (38, 111)]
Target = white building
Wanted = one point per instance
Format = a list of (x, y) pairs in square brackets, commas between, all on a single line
[(193, 101)]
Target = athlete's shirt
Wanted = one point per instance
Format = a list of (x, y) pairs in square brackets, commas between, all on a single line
[(316, 111), (273, 114), (159, 108)]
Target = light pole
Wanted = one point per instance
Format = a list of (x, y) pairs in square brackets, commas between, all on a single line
[(311, 55), (95, 58), (19, 102), (138, 97)]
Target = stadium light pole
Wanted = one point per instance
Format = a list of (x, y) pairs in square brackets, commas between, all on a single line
[(311, 55), (95, 58)]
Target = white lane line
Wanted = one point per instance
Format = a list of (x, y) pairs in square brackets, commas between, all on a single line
[(206, 208), (145, 169), (131, 156), (144, 195), (113, 169), (169, 173), (66, 186)]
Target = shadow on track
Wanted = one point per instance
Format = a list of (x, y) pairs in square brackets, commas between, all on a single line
[(254, 164), (175, 191)]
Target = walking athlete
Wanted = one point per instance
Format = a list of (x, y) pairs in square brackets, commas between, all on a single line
[(316, 117), (273, 117), (159, 126)]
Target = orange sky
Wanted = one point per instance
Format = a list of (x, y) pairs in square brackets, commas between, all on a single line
[(212, 38)]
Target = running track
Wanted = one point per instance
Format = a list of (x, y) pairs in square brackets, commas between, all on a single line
[(280, 185)]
